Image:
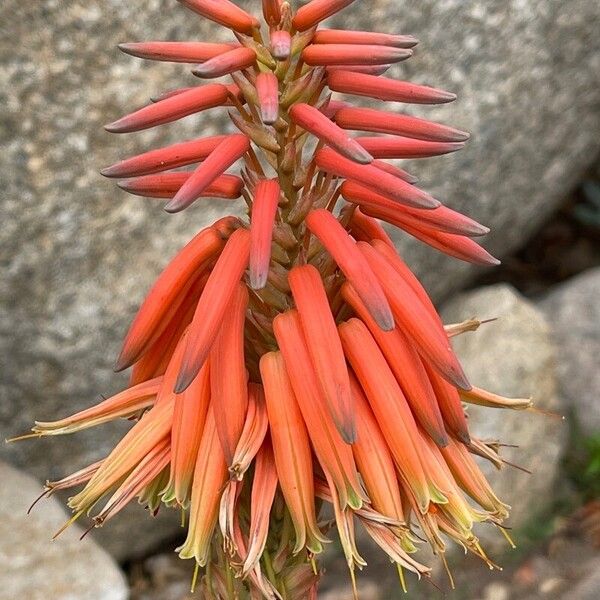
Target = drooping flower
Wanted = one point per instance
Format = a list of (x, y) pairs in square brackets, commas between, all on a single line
[(292, 359)]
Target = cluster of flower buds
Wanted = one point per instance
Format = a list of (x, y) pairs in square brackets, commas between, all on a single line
[(292, 360)]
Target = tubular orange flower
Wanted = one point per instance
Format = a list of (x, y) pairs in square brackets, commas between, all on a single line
[(189, 416), (264, 487), (361, 84), (316, 11), (334, 456), (171, 109), (211, 308), (289, 358), (222, 157), (353, 54), (156, 358), (324, 346), (406, 365), (292, 452), (374, 460), (166, 294), (320, 126), (167, 185), (352, 264), (180, 52), (124, 404), (264, 209), (267, 90), (228, 62), (163, 159), (370, 38), (368, 119), (272, 12), (388, 404), (440, 218), (418, 323), (405, 147), (371, 176), (224, 12), (228, 374), (209, 476)]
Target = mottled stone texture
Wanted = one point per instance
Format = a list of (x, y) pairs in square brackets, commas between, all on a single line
[(78, 255), (514, 357), (37, 568), (573, 310)]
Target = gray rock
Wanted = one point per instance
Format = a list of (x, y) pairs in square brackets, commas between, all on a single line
[(79, 255), (36, 568), (527, 75), (513, 356), (573, 311)]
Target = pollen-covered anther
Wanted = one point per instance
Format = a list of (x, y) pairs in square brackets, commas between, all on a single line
[(237, 59), (314, 121)]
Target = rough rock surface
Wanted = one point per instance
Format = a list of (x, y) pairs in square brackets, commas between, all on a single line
[(513, 356), (573, 311), (36, 568), (78, 254)]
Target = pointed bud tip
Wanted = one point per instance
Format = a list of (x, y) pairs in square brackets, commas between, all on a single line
[(127, 47), (348, 434), (113, 127), (258, 280), (172, 207), (184, 380), (385, 320), (121, 363)]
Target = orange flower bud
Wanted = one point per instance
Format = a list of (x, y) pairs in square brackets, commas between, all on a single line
[(180, 52), (171, 109), (171, 157), (224, 12), (221, 158)]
